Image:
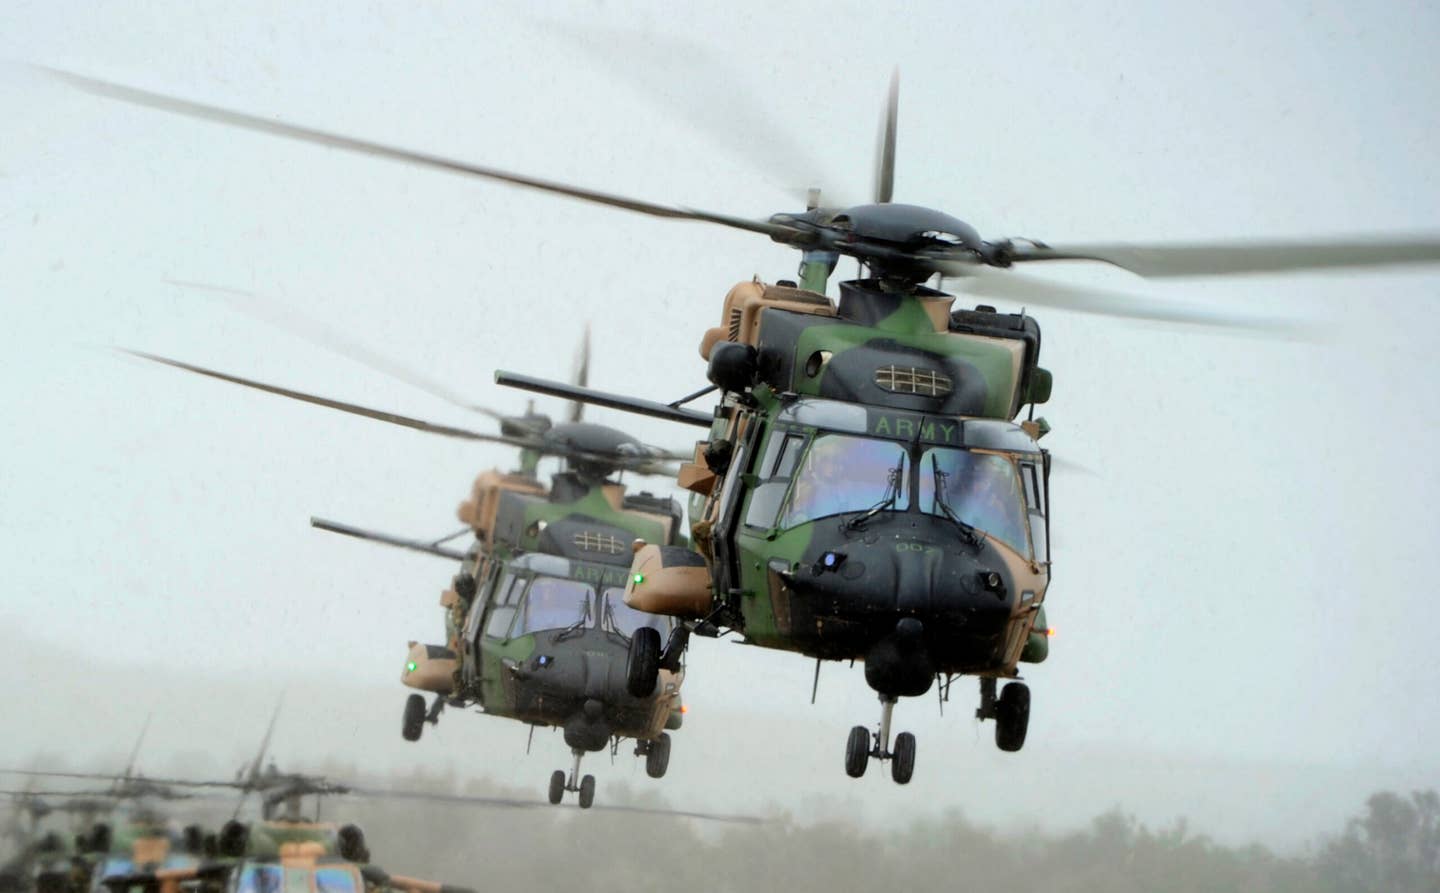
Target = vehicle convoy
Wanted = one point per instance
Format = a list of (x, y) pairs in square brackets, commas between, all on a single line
[(866, 491)]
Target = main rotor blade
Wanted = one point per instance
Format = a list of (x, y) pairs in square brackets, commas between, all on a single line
[(1235, 258), (135, 751), (246, 121), (1026, 290), (322, 335), (885, 159), (510, 802), (399, 542), (354, 409), (101, 776), (600, 398), (709, 94), (254, 773)]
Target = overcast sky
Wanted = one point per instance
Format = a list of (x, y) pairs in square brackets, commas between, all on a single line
[(1242, 579)]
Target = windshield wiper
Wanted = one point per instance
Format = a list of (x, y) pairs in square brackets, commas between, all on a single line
[(892, 493), (578, 625), (967, 532)]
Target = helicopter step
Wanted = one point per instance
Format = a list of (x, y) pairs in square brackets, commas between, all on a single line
[(863, 745), (417, 715), (1011, 712), (585, 786)]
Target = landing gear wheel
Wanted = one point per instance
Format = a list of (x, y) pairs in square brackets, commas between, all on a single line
[(902, 759), (1012, 716), (643, 666), (587, 791), (415, 714), (657, 758), (857, 752), (557, 787)]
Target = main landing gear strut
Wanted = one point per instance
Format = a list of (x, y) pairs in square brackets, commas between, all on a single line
[(863, 745), (417, 715), (559, 784), (1011, 712)]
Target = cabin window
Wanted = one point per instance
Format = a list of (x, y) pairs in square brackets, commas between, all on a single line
[(553, 603)]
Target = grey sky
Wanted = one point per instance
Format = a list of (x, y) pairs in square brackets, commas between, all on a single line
[(1245, 576)]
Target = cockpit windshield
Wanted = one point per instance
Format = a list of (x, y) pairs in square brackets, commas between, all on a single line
[(842, 474), (260, 879), (625, 620), (553, 603), (334, 880), (558, 603), (114, 868), (982, 490)]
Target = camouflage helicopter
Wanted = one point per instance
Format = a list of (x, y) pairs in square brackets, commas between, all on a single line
[(865, 491), (283, 851), (536, 628), (123, 828)]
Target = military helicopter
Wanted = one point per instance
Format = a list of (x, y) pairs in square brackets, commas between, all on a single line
[(284, 850), (123, 828), (536, 629), (865, 491)]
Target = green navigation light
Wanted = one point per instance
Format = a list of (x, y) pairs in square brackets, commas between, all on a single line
[(410, 667), (638, 578)]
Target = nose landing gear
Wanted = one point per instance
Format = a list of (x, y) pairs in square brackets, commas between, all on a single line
[(862, 745), (585, 787)]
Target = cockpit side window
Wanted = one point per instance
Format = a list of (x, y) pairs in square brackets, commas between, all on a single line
[(782, 454), (502, 611), (789, 455), (1035, 495)]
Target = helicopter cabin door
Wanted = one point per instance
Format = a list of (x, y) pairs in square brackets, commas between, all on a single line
[(489, 639)]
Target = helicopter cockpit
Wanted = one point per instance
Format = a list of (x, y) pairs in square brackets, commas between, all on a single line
[(273, 878), (538, 592), (824, 459)]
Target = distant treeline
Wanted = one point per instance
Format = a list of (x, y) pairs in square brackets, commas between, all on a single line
[(1392, 845)]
